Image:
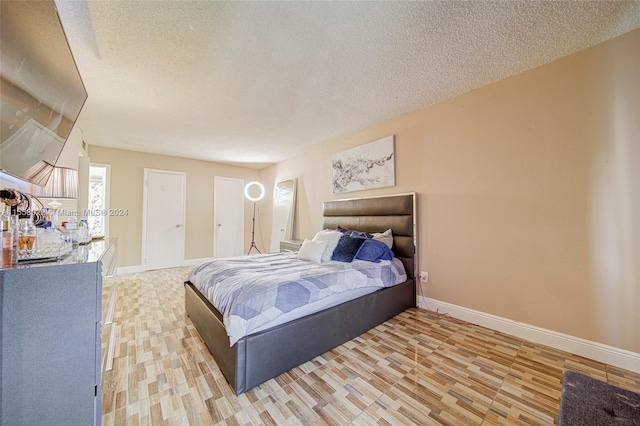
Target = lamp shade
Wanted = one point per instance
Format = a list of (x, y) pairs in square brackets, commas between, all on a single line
[(63, 183), (39, 173)]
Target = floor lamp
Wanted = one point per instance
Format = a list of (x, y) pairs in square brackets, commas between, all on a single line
[(254, 191)]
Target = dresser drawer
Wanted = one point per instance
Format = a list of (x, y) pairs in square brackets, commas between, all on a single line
[(109, 261)]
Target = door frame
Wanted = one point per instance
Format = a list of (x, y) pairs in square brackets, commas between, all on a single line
[(145, 182), (107, 192)]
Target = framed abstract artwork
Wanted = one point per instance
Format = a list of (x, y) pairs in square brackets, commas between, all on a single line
[(364, 167)]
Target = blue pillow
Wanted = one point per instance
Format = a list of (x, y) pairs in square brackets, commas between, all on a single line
[(359, 234), (374, 251), (345, 231), (352, 233), (347, 248)]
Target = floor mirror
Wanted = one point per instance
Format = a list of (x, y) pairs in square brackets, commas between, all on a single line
[(284, 201)]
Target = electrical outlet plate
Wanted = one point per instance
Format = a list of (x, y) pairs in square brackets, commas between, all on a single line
[(424, 276)]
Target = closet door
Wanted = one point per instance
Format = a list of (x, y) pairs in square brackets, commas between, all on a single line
[(228, 217), (163, 219)]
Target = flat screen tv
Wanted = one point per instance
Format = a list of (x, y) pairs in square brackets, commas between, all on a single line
[(40, 88)]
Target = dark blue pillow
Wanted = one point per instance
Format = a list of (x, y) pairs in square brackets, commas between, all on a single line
[(374, 251), (345, 231), (347, 248), (352, 233)]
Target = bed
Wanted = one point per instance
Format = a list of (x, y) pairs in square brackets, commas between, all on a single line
[(265, 354)]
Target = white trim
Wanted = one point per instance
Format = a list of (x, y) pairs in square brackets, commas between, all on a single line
[(596, 351), (124, 270), (194, 262), (107, 192), (145, 185)]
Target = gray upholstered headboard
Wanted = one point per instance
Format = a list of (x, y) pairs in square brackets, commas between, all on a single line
[(377, 214)]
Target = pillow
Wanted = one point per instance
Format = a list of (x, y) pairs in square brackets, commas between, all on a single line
[(374, 251), (352, 233), (331, 237), (359, 234), (347, 248), (343, 230), (386, 237), (312, 250)]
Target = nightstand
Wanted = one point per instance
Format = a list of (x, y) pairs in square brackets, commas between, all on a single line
[(290, 245)]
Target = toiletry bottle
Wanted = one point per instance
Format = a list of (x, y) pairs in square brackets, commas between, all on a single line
[(26, 238), (15, 227), (8, 259)]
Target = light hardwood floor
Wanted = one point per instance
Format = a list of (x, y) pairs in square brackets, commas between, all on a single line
[(418, 368)]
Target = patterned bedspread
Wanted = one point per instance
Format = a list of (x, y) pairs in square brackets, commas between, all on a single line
[(251, 291)]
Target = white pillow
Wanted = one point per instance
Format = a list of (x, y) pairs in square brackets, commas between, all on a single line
[(312, 250), (386, 237), (331, 237)]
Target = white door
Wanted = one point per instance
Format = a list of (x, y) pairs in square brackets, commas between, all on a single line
[(228, 217), (163, 219)]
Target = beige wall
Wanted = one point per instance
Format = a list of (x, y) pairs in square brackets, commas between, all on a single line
[(127, 172), (528, 194)]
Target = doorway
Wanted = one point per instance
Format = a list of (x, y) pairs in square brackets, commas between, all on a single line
[(163, 213)]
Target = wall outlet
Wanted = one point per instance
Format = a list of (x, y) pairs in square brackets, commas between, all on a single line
[(424, 276)]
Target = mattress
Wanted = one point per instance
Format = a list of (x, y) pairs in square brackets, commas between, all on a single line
[(320, 305), (255, 293)]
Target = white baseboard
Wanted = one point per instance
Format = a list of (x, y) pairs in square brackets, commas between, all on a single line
[(194, 262), (123, 270), (140, 268), (596, 351)]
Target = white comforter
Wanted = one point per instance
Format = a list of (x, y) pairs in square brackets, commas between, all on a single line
[(251, 291)]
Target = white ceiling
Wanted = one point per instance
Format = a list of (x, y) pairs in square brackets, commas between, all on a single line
[(259, 82)]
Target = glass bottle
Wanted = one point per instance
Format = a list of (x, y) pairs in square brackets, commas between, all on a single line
[(14, 224), (8, 258), (26, 238)]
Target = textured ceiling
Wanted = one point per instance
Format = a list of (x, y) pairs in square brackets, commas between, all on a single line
[(259, 82)]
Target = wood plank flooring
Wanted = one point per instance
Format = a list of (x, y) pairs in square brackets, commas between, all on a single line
[(418, 368)]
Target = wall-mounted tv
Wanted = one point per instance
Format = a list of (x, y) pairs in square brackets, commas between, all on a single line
[(40, 88)]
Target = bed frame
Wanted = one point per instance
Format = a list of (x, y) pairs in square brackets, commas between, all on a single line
[(259, 357)]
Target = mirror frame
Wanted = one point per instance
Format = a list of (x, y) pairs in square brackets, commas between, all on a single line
[(284, 206)]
